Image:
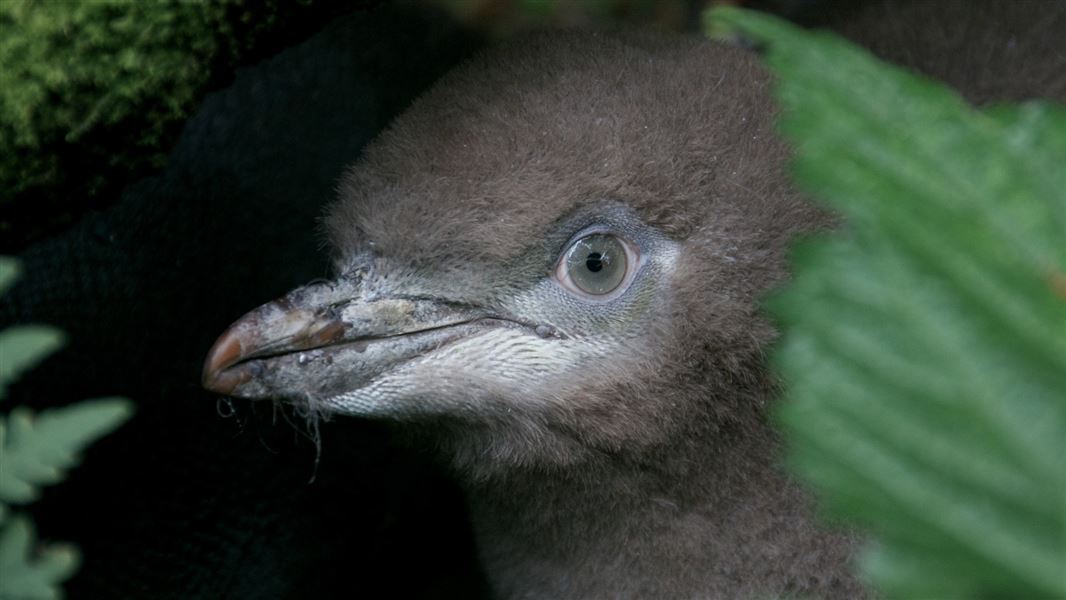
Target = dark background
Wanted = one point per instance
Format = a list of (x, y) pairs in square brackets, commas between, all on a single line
[(199, 498)]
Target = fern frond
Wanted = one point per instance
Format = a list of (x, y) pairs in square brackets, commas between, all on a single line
[(36, 450), (29, 571), (924, 353), (22, 347), (9, 272)]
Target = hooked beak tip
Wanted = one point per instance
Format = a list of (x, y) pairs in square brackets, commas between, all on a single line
[(217, 376)]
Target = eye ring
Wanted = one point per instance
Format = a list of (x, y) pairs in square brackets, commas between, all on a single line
[(598, 266)]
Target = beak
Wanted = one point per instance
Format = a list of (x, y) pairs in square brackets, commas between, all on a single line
[(325, 340)]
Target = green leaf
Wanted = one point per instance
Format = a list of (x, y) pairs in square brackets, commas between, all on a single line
[(36, 450), (22, 347), (9, 272), (923, 347), (30, 573)]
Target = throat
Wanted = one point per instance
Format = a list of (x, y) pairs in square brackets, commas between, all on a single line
[(727, 525)]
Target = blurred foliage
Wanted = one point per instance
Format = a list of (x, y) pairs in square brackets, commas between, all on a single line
[(29, 572), (35, 450), (924, 346), (38, 448)]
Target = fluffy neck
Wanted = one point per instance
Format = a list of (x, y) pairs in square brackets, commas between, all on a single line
[(702, 519)]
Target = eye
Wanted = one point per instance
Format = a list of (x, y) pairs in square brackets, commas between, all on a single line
[(596, 265)]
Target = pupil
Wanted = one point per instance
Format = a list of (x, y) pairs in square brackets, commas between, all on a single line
[(594, 262)]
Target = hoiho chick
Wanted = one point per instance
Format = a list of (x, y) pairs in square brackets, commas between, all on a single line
[(549, 270)]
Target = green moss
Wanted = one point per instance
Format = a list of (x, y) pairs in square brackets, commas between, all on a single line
[(67, 69), (94, 93)]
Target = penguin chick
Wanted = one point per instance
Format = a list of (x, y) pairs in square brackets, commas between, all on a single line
[(548, 269)]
